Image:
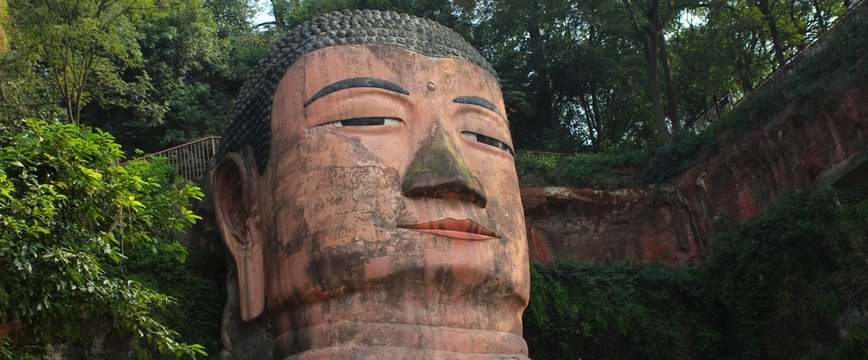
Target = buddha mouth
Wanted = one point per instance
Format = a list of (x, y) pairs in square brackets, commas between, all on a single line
[(457, 229)]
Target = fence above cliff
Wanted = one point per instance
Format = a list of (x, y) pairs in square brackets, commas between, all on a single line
[(190, 160)]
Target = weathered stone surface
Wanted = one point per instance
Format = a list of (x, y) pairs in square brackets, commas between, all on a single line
[(384, 220), (589, 224), (811, 141)]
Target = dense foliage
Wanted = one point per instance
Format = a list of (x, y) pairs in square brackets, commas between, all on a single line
[(577, 76), (611, 311), (152, 73), (787, 285), (606, 170), (196, 287), (843, 52), (70, 216)]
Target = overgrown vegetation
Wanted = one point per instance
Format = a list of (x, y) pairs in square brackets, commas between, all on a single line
[(196, 284), (611, 170), (577, 76), (610, 311), (844, 52), (196, 287), (788, 285), (70, 218)]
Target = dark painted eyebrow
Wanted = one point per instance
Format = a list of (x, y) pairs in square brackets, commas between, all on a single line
[(359, 82), (478, 101)]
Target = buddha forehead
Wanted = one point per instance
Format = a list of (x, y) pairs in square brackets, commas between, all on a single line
[(250, 123), (388, 70)]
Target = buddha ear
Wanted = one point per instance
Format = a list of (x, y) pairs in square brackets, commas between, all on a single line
[(240, 224)]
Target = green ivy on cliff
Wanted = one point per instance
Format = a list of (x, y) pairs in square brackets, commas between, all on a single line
[(790, 284), (655, 165), (610, 311), (196, 313)]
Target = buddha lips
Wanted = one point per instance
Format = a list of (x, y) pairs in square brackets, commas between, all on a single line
[(463, 229)]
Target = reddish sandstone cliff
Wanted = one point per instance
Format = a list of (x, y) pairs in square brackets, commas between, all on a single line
[(811, 141)]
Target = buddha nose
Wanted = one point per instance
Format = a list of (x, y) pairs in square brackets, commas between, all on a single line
[(439, 171)]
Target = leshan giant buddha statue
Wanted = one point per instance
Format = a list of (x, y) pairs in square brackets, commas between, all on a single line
[(367, 191)]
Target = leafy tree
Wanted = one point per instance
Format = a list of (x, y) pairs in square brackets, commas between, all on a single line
[(597, 70), (69, 214), (577, 76), (717, 52), (77, 43), (190, 70), (23, 92), (516, 36), (231, 16), (650, 19)]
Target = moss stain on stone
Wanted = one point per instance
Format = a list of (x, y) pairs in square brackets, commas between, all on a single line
[(438, 158)]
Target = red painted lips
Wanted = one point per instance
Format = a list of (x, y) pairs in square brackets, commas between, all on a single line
[(457, 229)]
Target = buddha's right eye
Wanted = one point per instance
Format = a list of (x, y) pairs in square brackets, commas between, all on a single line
[(364, 121)]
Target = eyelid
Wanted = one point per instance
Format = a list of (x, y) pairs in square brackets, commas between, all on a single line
[(482, 118), (488, 140), (363, 122), (358, 103)]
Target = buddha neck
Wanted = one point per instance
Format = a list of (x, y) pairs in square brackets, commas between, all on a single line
[(365, 340)]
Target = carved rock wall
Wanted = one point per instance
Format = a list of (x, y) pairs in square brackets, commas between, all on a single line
[(811, 141)]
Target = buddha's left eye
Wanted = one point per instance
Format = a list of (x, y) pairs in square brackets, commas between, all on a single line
[(488, 140), (363, 121)]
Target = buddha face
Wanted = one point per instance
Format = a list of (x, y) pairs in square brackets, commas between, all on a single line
[(390, 197)]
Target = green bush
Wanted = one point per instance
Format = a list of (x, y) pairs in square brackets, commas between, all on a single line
[(580, 170), (196, 284), (769, 282), (610, 311), (196, 312), (68, 216)]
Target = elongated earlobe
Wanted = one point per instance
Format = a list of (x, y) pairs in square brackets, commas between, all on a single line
[(240, 224)]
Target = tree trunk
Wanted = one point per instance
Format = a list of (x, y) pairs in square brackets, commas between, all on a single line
[(650, 44), (671, 93), (545, 105), (651, 54), (744, 62), (763, 5), (598, 118), (593, 134)]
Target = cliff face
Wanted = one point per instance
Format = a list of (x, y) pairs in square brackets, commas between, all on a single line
[(811, 141)]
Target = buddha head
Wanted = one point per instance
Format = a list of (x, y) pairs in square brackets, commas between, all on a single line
[(367, 192)]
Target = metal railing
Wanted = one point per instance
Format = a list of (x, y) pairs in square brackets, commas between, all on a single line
[(190, 160), (712, 113), (855, 11)]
